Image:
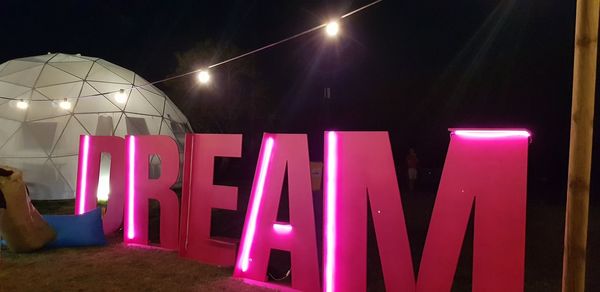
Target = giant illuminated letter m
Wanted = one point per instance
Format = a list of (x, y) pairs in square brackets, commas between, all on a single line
[(485, 170)]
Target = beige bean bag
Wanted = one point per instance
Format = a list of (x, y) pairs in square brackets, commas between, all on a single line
[(22, 227)]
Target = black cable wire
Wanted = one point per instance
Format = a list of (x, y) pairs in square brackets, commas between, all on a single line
[(216, 64)]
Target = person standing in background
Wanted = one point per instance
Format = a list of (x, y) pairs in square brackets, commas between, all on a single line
[(412, 162)]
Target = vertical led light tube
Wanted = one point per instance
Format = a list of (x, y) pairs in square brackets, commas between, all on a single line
[(491, 134), (255, 205), (330, 219), (131, 188), (83, 173)]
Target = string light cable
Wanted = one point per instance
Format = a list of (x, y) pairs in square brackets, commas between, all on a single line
[(318, 27)]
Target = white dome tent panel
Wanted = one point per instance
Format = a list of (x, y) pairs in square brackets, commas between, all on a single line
[(22, 144), (94, 104), (79, 69), (173, 114), (88, 91), (118, 70), (26, 77), (121, 128), (17, 66), (142, 124), (165, 129), (9, 127), (100, 73), (43, 179), (10, 90), (42, 138), (36, 95), (52, 76), (44, 110), (38, 59), (157, 101), (66, 145), (34, 139), (10, 111), (61, 91), (103, 124), (137, 103), (143, 84), (67, 167), (65, 58), (110, 90)]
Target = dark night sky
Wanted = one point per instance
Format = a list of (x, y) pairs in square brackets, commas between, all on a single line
[(414, 68)]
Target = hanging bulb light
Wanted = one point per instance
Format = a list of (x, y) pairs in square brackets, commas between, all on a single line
[(203, 77), (120, 96), (332, 28), (65, 104), (21, 104)]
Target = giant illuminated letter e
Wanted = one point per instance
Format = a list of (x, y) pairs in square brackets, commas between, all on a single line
[(200, 196)]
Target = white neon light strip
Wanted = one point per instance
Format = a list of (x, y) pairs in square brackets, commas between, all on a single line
[(84, 169), (492, 134), (131, 189), (258, 192), (331, 193)]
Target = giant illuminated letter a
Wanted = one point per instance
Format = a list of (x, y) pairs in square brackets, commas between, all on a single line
[(488, 167), (262, 232), (140, 189)]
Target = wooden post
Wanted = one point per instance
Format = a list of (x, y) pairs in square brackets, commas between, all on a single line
[(580, 150)]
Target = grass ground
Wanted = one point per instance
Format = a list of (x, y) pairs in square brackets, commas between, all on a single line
[(120, 268), (114, 267)]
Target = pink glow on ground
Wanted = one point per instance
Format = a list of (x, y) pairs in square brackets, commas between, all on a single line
[(492, 134), (271, 286), (331, 192), (84, 169), (282, 229), (148, 247), (258, 192), (131, 188)]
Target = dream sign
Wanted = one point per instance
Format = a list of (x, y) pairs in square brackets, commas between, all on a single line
[(485, 170)]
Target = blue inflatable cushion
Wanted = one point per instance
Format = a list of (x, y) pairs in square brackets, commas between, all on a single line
[(77, 230)]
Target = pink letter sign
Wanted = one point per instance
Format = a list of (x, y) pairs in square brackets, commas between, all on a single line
[(488, 167), (90, 150), (262, 232), (200, 196), (357, 163), (140, 189), (485, 166)]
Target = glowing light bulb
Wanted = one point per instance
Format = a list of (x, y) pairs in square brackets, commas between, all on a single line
[(332, 28), (22, 104), (120, 96), (65, 104), (203, 77)]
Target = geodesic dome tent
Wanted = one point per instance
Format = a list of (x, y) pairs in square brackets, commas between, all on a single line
[(47, 101)]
